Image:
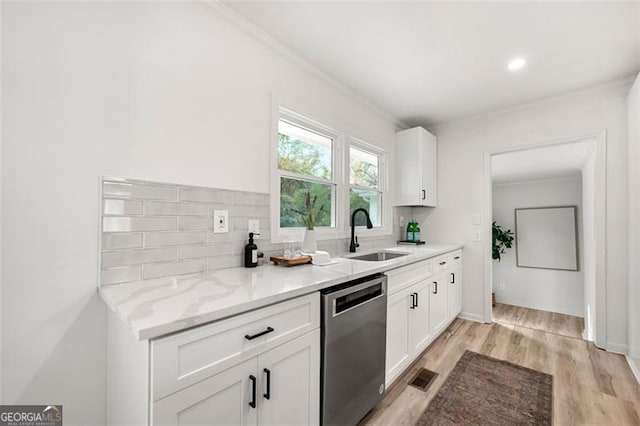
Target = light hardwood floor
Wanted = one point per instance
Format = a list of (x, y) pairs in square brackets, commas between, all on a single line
[(590, 386), (566, 325)]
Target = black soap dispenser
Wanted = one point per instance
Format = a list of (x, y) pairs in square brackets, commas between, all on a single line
[(251, 253)]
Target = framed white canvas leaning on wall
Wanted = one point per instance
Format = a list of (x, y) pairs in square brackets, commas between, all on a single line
[(547, 237)]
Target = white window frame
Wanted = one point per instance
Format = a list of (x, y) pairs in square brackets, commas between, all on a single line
[(340, 178), (295, 233), (383, 186)]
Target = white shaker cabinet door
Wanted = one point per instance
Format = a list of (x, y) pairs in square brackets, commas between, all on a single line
[(398, 306), (438, 306), (416, 168), (419, 330), (222, 399), (454, 276), (289, 392)]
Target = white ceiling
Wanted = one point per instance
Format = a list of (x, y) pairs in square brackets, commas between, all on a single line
[(540, 163), (432, 62)]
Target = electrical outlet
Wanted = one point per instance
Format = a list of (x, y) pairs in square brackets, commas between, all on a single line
[(401, 220), (220, 221), (254, 226), (502, 286), (477, 236)]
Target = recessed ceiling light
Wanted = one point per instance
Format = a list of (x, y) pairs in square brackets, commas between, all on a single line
[(516, 64)]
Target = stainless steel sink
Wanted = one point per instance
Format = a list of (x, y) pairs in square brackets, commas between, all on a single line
[(378, 256)]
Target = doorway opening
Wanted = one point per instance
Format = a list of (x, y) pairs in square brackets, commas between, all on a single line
[(551, 197)]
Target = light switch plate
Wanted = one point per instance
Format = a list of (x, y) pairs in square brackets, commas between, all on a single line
[(254, 226), (220, 221), (476, 219)]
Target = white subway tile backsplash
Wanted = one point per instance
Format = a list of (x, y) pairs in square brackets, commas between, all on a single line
[(161, 239), (189, 252), (251, 198), (194, 223), (164, 208), (157, 270), (139, 190), (206, 195), (120, 275), (137, 256), (121, 241), (138, 224), (227, 237), (250, 211), (122, 207), (223, 262), (152, 230), (237, 248)]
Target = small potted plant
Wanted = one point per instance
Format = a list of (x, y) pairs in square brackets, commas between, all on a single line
[(501, 240), (308, 217), (260, 258)]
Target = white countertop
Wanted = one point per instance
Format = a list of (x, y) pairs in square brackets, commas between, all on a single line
[(153, 308)]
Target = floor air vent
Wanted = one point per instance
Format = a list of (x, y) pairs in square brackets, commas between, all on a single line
[(423, 379)]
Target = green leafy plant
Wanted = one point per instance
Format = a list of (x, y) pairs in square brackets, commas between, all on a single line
[(501, 240), (311, 211)]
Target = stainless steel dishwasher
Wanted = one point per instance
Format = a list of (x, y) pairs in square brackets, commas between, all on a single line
[(354, 334)]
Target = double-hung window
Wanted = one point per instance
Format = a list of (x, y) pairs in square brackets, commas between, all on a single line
[(365, 183), (328, 173), (307, 174)]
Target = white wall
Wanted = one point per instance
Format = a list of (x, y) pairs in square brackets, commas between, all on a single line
[(545, 289), (164, 91), (633, 102), (462, 146)]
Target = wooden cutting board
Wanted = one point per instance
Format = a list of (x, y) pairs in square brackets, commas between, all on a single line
[(302, 260)]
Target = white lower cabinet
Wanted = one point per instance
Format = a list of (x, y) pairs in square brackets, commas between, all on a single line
[(260, 367), (293, 370), (407, 326), (419, 332), (397, 334), (420, 305), (220, 399), (438, 307), (454, 294), (280, 386)]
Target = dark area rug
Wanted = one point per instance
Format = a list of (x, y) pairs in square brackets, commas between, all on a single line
[(481, 390)]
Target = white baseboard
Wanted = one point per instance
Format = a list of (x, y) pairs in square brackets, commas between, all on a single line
[(635, 368), (617, 348), (471, 317)]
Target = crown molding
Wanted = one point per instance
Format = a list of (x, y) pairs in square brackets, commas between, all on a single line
[(249, 28), (613, 88)]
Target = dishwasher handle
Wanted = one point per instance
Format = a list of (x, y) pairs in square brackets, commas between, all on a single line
[(348, 298)]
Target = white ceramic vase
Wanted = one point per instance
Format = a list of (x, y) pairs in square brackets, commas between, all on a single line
[(309, 242)]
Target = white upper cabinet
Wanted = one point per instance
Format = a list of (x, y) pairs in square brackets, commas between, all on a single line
[(416, 168)]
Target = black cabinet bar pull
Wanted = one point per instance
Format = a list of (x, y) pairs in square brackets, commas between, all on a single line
[(417, 302), (453, 278), (413, 301), (442, 263), (267, 394), (252, 403), (456, 258), (262, 333), (435, 291), (424, 194)]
